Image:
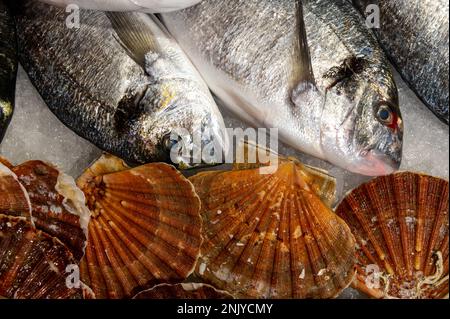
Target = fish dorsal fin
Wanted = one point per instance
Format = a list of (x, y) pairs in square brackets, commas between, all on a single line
[(135, 34)]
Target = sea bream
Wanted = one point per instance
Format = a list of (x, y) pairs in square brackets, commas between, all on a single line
[(414, 34), (8, 68), (120, 81), (127, 5), (337, 101)]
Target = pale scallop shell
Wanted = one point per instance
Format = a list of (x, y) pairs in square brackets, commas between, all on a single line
[(271, 236), (401, 226), (145, 227)]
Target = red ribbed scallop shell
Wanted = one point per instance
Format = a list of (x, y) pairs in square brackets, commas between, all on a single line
[(270, 236), (183, 291), (58, 206), (145, 227), (401, 226), (14, 199), (33, 264)]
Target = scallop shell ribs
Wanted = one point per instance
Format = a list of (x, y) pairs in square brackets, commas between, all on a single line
[(58, 206), (271, 236), (32, 264), (14, 200), (145, 227), (401, 226)]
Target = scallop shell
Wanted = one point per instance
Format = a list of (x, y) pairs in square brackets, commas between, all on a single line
[(145, 227), (5, 162), (183, 291), (14, 200), (33, 264), (270, 236), (58, 206), (323, 184), (401, 226)]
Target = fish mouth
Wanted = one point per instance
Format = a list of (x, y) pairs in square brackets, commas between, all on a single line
[(376, 163)]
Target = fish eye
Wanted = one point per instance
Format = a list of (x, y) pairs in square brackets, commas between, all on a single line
[(385, 115)]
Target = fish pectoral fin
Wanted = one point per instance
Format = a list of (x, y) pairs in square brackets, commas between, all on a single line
[(306, 71), (305, 92), (134, 34)]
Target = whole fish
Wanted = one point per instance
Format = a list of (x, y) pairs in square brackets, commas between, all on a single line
[(414, 33), (127, 5), (121, 82), (336, 101), (8, 68)]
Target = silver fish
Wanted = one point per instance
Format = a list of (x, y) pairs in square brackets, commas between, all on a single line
[(121, 82), (414, 34), (337, 102), (8, 68), (127, 5)]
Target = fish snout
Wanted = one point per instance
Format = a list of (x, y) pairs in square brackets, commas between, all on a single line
[(378, 163)]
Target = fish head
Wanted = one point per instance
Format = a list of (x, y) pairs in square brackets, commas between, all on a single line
[(188, 134), (362, 127)]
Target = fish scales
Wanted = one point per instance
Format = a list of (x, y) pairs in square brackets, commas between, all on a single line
[(127, 5), (8, 68), (72, 79), (95, 87), (419, 46), (248, 54)]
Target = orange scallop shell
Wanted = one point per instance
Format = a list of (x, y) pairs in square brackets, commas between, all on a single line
[(33, 264), (183, 291), (145, 227), (58, 206), (271, 236), (401, 226), (5, 162)]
